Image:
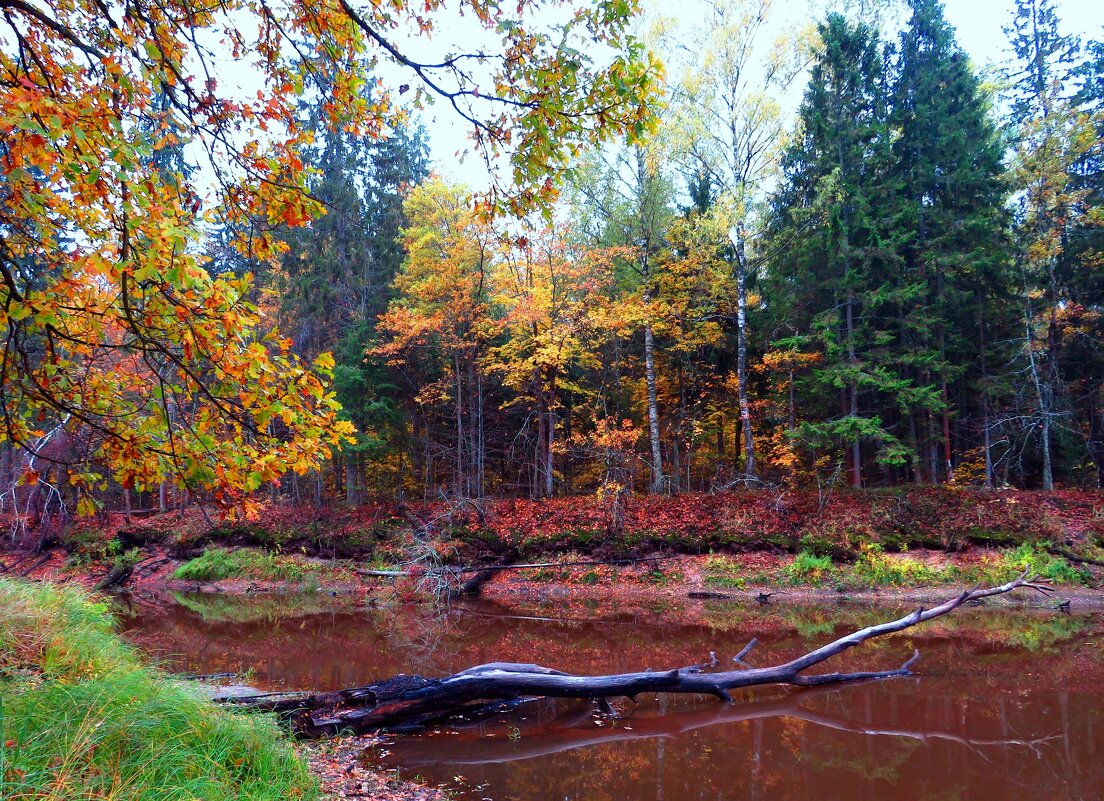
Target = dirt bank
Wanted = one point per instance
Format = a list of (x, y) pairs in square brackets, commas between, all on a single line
[(919, 577)]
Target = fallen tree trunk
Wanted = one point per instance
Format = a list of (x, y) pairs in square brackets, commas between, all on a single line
[(405, 700), (518, 566), (1066, 553), (115, 577)]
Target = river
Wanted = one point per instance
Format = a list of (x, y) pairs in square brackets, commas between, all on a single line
[(1005, 704)]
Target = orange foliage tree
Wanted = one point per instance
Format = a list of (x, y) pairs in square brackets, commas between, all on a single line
[(555, 299), (115, 331)]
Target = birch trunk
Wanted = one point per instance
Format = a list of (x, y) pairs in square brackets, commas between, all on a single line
[(741, 356), (653, 404)]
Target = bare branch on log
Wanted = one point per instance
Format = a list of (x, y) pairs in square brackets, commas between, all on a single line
[(404, 698)]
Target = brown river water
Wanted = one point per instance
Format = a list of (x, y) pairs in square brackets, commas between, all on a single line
[(1006, 704)]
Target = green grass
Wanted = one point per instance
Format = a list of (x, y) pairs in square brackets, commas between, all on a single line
[(217, 564), (722, 573), (810, 568), (83, 718), (875, 568), (1048, 567)]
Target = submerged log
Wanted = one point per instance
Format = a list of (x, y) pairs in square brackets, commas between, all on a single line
[(402, 700)]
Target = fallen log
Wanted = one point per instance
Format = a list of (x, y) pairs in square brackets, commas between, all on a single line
[(114, 578), (403, 699), (1066, 553), (518, 566)]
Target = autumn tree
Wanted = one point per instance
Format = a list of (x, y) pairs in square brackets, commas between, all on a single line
[(113, 324), (728, 125), (438, 327), (554, 299), (1084, 260), (694, 297), (1052, 136), (624, 200)]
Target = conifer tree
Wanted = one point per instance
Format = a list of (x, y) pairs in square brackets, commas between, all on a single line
[(834, 255), (949, 219)]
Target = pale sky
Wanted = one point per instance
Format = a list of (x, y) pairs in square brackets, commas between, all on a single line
[(978, 25)]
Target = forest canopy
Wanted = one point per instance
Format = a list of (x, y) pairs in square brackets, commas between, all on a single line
[(675, 285)]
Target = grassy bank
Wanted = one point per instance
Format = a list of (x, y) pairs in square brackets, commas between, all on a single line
[(83, 718)]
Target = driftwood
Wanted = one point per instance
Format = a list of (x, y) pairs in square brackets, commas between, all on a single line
[(404, 700)]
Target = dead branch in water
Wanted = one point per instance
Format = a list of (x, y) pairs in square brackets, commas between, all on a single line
[(403, 700), (575, 728)]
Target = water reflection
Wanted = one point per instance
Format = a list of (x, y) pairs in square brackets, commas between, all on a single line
[(1009, 703)]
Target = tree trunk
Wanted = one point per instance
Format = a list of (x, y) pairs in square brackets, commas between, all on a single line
[(742, 357), (352, 485), (404, 700), (853, 392), (458, 466), (549, 437), (948, 461), (1043, 396), (986, 433), (653, 404)]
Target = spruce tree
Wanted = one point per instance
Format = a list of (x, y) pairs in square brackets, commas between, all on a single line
[(834, 254), (949, 222)]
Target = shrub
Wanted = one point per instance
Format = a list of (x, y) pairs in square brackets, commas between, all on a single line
[(217, 564)]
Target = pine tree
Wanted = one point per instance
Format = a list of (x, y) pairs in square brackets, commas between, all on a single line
[(336, 276)]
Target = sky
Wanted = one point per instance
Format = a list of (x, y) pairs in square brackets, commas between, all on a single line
[(978, 25)]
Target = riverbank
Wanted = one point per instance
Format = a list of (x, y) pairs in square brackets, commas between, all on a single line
[(875, 576), (85, 718)]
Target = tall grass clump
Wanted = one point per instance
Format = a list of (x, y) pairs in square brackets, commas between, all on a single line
[(83, 718), (808, 567), (1047, 566), (216, 564), (877, 569)]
